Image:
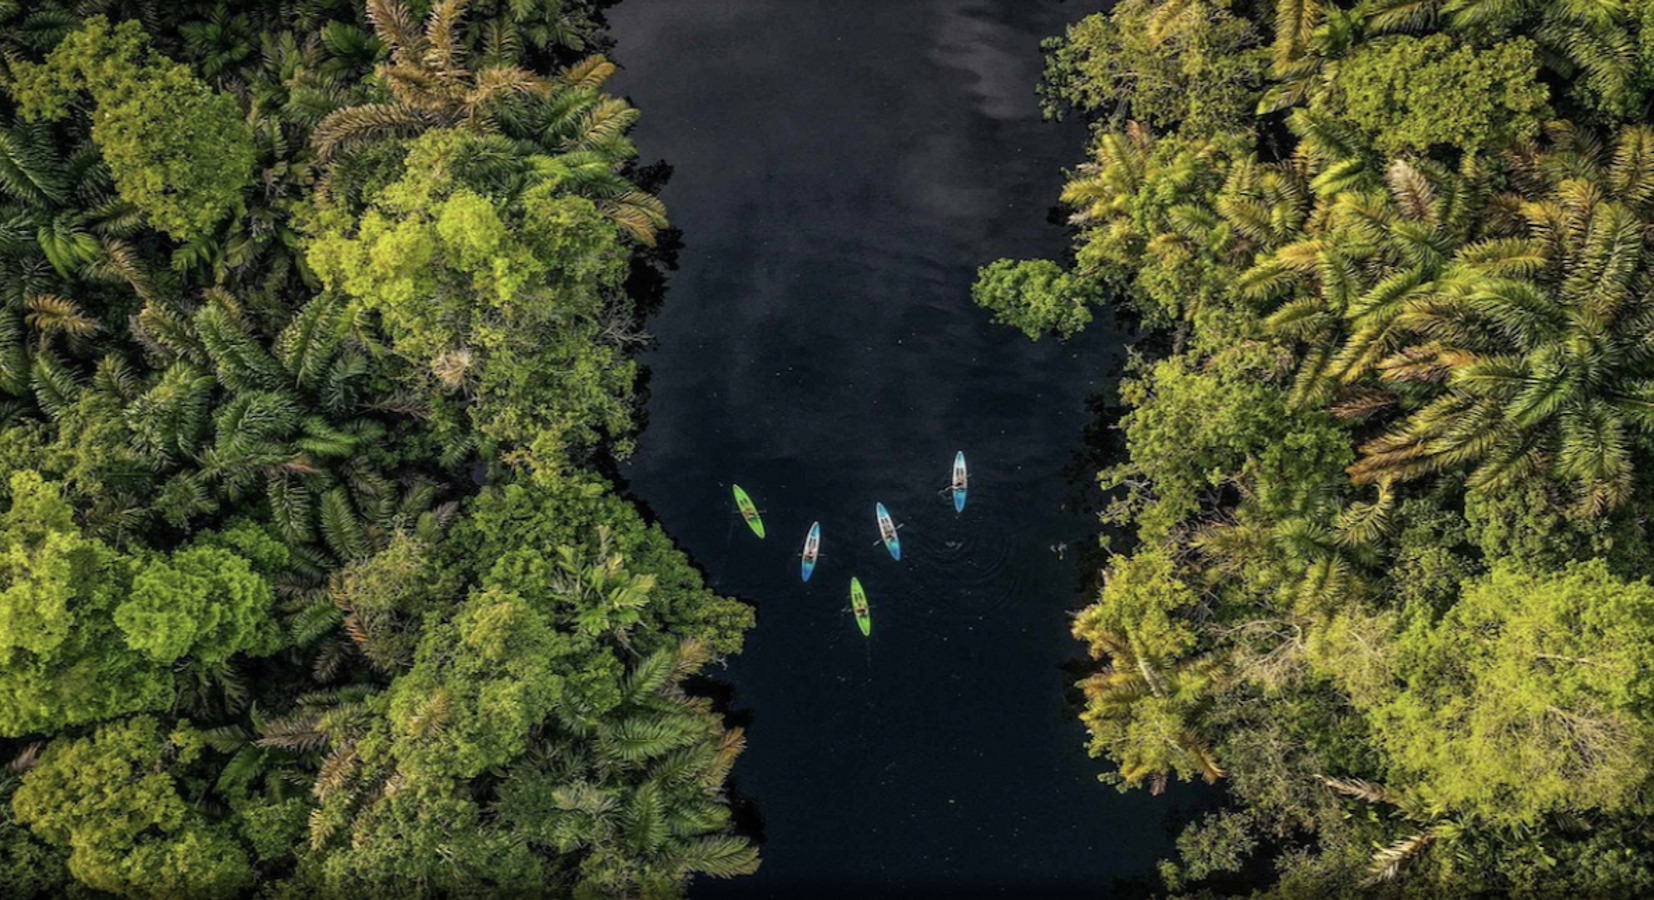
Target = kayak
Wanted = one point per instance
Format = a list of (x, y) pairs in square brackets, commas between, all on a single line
[(887, 531), (858, 604), (748, 511), (812, 546), (961, 481)]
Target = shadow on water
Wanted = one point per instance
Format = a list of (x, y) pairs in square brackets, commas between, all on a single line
[(1104, 446), (745, 813)]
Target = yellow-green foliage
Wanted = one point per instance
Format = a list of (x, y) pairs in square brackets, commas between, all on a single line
[(518, 536), (177, 150), (63, 660), (1194, 434), (1144, 600), (479, 685), (1140, 709), (1530, 697), (87, 633), (1421, 93), (111, 800), (1144, 207), (204, 600), (495, 294), (1192, 64)]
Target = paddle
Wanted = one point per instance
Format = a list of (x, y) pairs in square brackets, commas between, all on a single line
[(899, 527)]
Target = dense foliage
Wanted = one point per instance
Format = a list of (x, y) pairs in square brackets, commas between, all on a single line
[(1385, 494), (314, 342)]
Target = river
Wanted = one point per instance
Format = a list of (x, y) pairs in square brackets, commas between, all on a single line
[(841, 169)]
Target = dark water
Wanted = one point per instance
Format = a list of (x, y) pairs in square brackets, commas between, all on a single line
[(841, 170)]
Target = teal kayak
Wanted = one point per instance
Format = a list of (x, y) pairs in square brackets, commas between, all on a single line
[(812, 548), (887, 531), (961, 481)]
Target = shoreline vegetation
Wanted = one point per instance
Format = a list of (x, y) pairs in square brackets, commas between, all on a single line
[(315, 337), (1385, 498)]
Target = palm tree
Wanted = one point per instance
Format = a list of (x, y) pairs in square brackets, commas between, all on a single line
[(1176, 237), (289, 415), (64, 235), (1533, 351), (644, 783), (220, 44), (430, 84), (586, 130), (1347, 250), (322, 734), (1309, 34), (1433, 827), (1317, 567), (1116, 695), (512, 30)]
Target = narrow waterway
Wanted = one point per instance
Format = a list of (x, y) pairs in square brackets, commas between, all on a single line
[(841, 169)]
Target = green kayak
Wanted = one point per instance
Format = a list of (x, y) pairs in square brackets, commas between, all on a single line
[(748, 511), (858, 603)]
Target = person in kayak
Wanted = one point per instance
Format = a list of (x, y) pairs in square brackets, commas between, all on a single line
[(887, 529)]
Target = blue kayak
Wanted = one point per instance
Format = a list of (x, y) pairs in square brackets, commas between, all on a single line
[(887, 532), (812, 547), (961, 482)]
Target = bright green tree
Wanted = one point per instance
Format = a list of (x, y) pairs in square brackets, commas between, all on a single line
[(515, 535), (479, 685), (1193, 433), (497, 292), (203, 601), (1191, 64), (1037, 296), (1415, 94), (177, 150), (63, 661), (1530, 697), (113, 801)]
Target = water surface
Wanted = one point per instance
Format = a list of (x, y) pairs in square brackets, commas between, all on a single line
[(841, 169)]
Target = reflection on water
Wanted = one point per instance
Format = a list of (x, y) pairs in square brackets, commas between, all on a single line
[(841, 168)]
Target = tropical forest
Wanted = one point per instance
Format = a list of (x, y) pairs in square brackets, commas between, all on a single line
[(315, 327), (1378, 508), (1090, 448)]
